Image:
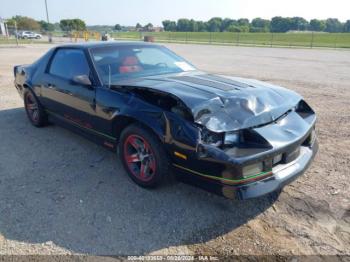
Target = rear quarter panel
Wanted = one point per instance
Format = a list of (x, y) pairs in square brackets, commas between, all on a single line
[(30, 76)]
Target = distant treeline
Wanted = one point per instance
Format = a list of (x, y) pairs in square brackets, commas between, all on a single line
[(27, 23), (215, 24), (276, 24)]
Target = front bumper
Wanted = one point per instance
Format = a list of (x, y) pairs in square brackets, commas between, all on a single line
[(282, 175), (287, 147)]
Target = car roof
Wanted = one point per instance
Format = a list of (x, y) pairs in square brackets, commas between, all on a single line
[(93, 44)]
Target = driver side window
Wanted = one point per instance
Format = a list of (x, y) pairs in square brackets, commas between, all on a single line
[(68, 63)]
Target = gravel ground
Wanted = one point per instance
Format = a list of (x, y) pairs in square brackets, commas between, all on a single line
[(61, 194)]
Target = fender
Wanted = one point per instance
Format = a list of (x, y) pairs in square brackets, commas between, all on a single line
[(171, 129), (141, 106)]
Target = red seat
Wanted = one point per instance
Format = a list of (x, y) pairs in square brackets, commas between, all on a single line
[(130, 64)]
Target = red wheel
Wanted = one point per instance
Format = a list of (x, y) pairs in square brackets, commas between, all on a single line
[(32, 107), (34, 110), (139, 157), (143, 156)]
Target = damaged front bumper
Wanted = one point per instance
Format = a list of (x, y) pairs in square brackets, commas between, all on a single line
[(273, 156), (282, 175), (267, 182)]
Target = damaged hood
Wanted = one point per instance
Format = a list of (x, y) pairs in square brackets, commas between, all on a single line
[(222, 103)]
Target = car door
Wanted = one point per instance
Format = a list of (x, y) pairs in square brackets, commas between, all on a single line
[(63, 96)]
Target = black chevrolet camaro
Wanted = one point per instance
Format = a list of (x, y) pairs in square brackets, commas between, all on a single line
[(236, 137)]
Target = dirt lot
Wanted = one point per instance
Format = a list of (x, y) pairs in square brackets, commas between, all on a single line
[(60, 193)]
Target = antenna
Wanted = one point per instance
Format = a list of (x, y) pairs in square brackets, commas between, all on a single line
[(109, 76)]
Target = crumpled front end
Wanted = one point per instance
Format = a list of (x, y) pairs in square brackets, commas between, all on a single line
[(234, 103), (230, 134), (251, 162)]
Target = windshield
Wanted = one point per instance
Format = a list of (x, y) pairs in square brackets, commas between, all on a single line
[(115, 63)]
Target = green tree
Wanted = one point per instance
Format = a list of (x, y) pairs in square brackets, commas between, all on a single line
[(169, 25), (226, 23), (347, 26), (66, 24), (244, 28), (260, 25), (317, 25), (138, 26), (201, 26), (237, 28), (280, 24), (117, 27), (24, 23), (233, 28), (243, 22), (193, 26), (333, 25), (214, 24), (298, 23), (45, 26), (79, 24), (57, 26), (148, 27), (183, 25), (72, 24)]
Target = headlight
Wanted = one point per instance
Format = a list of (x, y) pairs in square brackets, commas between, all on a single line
[(252, 170), (211, 138), (231, 138)]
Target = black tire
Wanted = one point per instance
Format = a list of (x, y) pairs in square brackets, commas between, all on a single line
[(158, 162), (35, 112)]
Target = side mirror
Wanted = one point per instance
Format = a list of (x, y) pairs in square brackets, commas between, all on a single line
[(82, 80)]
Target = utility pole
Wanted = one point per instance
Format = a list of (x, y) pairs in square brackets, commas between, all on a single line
[(16, 32), (6, 31), (48, 21)]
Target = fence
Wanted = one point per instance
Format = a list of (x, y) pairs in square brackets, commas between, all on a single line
[(310, 39), (306, 39)]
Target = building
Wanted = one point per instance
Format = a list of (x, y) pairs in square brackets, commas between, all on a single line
[(158, 29), (3, 30)]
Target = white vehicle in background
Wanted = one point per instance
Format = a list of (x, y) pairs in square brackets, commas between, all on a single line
[(29, 35)]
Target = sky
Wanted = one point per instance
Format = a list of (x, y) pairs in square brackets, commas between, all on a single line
[(130, 12)]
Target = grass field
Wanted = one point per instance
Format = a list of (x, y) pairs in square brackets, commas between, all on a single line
[(309, 40), (334, 40)]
